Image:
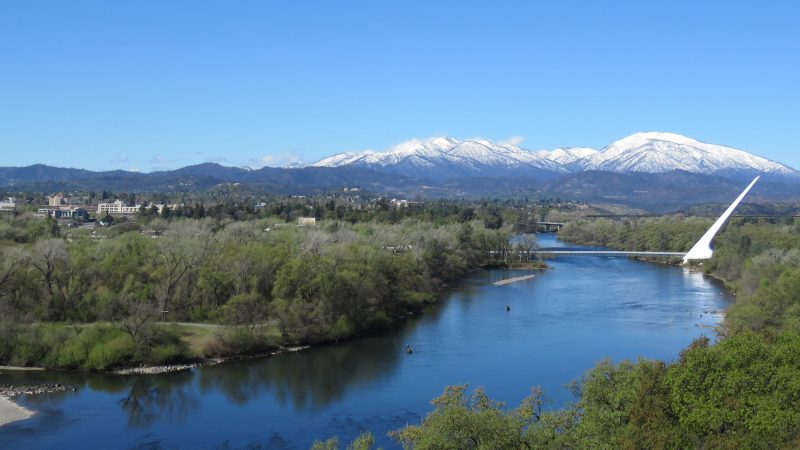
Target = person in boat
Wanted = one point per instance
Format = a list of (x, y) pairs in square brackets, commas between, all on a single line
[(508, 307), (409, 349)]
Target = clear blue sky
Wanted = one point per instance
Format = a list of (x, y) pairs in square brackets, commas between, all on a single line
[(153, 85)]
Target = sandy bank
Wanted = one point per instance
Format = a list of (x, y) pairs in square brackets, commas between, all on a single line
[(513, 280), (11, 412), (20, 368)]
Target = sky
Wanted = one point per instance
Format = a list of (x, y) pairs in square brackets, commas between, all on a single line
[(155, 85)]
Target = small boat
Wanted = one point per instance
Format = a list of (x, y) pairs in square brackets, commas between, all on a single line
[(508, 307)]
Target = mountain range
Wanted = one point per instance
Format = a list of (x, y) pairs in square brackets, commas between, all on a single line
[(651, 152), (655, 171)]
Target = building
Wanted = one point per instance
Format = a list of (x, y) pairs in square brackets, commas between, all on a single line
[(56, 200), (306, 221), (118, 207), (8, 205), (63, 213)]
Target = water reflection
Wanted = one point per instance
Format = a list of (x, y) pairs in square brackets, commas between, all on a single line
[(153, 398), (309, 379), (144, 400)]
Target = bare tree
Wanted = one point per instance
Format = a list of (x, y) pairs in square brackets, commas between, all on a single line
[(47, 256), (139, 316), (178, 255), (12, 260)]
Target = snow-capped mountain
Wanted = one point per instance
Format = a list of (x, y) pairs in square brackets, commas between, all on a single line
[(449, 157), (652, 152), (655, 152), (567, 155)]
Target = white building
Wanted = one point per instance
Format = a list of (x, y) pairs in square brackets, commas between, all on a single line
[(55, 200), (118, 207), (8, 205), (306, 221)]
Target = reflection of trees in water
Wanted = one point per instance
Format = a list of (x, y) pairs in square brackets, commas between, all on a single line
[(148, 397), (308, 379), (311, 378), (151, 398)]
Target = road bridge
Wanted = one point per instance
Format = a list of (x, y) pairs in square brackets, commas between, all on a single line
[(548, 226)]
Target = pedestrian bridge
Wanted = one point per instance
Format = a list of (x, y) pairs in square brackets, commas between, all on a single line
[(560, 251), (702, 249)]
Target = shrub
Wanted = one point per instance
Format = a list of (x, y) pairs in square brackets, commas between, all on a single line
[(166, 354), (40, 344), (117, 351)]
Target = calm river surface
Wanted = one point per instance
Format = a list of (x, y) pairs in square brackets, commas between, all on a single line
[(561, 322)]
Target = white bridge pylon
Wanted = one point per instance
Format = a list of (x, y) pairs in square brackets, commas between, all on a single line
[(703, 249)]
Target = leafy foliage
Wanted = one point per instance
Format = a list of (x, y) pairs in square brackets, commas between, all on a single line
[(311, 284)]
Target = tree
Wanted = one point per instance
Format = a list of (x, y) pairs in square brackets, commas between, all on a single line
[(460, 421), (12, 260), (178, 253), (137, 310), (740, 393), (492, 218), (364, 441), (247, 311), (49, 255)]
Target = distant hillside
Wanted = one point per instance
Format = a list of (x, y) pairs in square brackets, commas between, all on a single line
[(664, 192), (658, 192), (198, 178)]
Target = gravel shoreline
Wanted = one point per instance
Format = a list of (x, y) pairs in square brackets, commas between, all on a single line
[(157, 370)]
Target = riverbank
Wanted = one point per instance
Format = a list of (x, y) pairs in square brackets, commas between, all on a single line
[(158, 370), (11, 412), (20, 368)]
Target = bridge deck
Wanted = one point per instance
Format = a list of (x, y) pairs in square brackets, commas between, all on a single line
[(606, 253), (578, 252)]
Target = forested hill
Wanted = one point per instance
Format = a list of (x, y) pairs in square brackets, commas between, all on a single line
[(42, 178)]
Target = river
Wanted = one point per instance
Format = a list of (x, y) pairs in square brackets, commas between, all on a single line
[(561, 322)]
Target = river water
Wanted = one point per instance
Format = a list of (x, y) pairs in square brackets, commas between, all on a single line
[(561, 322)]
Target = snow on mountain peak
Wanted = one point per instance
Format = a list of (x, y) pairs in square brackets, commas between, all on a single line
[(656, 152), (450, 156), (651, 152), (567, 155)]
